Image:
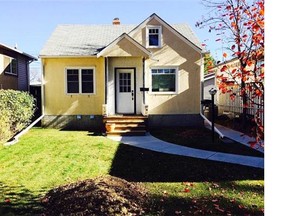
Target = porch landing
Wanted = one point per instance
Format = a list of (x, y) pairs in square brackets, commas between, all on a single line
[(125, 125)]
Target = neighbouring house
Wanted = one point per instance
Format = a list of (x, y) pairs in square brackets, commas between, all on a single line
[(118, 72), (208, 83), (14, 68), (225, 105)]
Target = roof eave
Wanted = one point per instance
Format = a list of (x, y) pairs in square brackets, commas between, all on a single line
[(30, 57)]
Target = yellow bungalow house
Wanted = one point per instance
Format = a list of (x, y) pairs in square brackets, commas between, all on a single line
[(148, 71)]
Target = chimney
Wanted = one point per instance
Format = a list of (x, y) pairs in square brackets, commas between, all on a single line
[(116, 21)]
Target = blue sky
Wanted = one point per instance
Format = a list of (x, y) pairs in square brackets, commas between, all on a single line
[(29, 23)]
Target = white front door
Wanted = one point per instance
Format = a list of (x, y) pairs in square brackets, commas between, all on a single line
[(125, 95)]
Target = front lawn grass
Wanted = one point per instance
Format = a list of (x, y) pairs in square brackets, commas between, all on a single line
[(47, 158), (201, 138)]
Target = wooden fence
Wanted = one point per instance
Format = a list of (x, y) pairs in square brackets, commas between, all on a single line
[(235, 107)]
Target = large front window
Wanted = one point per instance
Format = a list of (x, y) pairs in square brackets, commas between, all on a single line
[(80, 81), (164, 80)]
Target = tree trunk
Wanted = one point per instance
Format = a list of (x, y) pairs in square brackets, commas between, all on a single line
[(245, 109)]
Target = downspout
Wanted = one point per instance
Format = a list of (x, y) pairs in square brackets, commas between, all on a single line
[(28, 73), (42, 87), (201, 95), (15, 139), (201, 80), (106, 79), (143, 65)]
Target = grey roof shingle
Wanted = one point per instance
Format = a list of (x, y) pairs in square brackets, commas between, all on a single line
[(87, 40)]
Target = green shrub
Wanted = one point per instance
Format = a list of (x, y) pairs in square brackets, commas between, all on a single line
[(16, 110)]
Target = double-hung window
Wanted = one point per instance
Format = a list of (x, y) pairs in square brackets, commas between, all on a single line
[(154, 35), (10, 66), (164, 80), (80, 81)]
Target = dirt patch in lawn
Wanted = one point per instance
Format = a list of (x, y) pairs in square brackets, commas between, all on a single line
[(101, 196)]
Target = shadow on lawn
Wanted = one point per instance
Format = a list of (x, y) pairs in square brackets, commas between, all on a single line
[(18, 201), (139, 165), (216, 205)]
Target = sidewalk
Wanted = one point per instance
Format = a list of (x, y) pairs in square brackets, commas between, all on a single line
[(238, 137), (151, 143)]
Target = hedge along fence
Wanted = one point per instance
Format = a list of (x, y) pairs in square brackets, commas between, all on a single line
[(16, 110)]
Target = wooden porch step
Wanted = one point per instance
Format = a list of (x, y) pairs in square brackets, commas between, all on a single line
[(130, 126), (125, 125), (127, 133), (125, 119)]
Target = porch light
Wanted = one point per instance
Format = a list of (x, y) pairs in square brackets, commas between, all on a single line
[(212, 92)]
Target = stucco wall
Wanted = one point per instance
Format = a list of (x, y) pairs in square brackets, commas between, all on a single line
[(124, 48), (174, 52), (57, 101)]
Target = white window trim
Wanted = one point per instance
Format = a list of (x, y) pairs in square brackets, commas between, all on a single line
[(159, 36), (11, 67), (176, 81), (80, 80)]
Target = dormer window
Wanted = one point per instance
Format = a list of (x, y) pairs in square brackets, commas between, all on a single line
[(154, 36)]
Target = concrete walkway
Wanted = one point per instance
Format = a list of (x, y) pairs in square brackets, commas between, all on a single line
[(238, 137), (151, 143)]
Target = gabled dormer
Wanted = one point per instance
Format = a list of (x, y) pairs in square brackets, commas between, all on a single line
[(151, 33)]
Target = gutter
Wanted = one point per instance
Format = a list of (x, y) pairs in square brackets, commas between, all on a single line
[(15, 139)]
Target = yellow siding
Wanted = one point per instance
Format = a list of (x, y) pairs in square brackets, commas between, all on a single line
[(57, 101)]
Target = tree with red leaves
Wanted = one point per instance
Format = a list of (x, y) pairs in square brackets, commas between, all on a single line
[(241, 23)]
